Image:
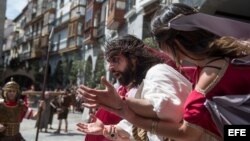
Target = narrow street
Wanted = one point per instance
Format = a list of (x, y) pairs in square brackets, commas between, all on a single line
[(28, 130)]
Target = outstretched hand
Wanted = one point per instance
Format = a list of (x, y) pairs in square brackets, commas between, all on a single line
[(94, 128), (93, 97)]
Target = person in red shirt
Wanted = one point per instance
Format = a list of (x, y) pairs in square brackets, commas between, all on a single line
[(221, 55)]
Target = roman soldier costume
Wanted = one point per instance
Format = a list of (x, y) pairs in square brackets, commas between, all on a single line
[(12, 112)]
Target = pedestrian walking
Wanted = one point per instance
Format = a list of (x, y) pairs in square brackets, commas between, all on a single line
[(63, 103)]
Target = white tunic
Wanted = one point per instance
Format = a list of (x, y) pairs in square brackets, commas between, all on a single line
[(167, 90)]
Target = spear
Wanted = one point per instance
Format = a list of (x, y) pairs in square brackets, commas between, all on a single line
[(44, 82)]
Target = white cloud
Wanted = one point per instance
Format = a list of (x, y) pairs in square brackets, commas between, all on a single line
[(14, 8)]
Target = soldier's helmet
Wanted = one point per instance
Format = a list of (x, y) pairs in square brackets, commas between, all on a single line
[(11, 85)]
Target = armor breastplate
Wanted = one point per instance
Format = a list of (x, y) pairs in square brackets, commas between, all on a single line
[(10, 117)]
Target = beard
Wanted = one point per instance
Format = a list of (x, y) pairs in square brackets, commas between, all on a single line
[(125, 77)]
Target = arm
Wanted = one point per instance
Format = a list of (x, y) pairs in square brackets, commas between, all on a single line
[(163, 87), (142, 107), (110, 98), (52, 103), (172, 130), (31, 114), (168, 129), (26, 112)]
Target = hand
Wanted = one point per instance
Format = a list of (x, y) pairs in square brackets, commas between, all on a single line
[(2, 128), (94, 128), (93, 98), (34, 115), (42, 104)]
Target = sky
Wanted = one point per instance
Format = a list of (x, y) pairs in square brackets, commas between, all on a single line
[(14, 8)]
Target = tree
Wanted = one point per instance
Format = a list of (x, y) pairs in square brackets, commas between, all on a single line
[(150, 42), (76, 71), (99, 70), (89, 81)]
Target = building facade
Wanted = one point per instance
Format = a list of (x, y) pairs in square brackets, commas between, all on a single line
[(2, 20), (80, 31)]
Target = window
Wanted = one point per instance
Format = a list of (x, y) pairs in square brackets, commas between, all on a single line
[(89, 14), (130, 4), (120, 5), (72, 29), (61, 3), (79, 28)]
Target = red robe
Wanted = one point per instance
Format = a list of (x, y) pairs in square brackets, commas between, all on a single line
[(236, 80), (107, 118)]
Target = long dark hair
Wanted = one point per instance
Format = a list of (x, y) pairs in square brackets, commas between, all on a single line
[(132, 47), (198, 42)]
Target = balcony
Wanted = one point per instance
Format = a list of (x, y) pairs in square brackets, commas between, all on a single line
[(36, 53), (48, 18), (44, 41), (145, 3), (20, 40), (63, 19), (51, 6), (24, 56), (90, 36), (36, 43), (78, 3), (101, 30), (73, 44), (77, 13), (91, 21), (116, 14)]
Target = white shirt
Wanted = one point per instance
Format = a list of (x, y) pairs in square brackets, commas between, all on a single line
[(166, 89)]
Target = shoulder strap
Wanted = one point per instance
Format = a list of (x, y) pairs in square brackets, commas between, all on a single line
[(215, 67), (206, 65)]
